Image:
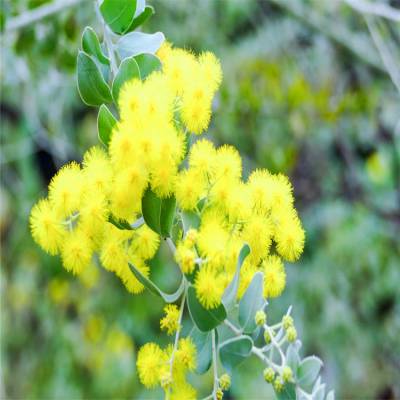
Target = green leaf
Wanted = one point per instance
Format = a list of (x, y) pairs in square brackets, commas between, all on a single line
[(287, 393), (190, 220), (234, 351), (308, 371), (105, 124), (128, 70), (205, 320), (118, 14), (158, 213), (135, 43), (203, 343), (229, 296), (91, 45), (330, 395), (92, 88), (141, 18), (168, 298), (292, 357), (148, 63), (120, 223), (251, 302)]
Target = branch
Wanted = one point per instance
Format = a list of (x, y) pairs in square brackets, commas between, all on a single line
[(378, 9), (38, 13)]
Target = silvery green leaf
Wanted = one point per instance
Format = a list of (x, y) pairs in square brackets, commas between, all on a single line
[(292, 357), (308, 371), (319, 394), (140, 6), (330, 395), (135, 43)]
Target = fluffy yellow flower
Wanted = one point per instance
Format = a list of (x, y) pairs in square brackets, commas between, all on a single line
[(209, 287), (150, 363), (289, 235), (274, 276), (170, 322), (145, 243), (185, 356), (228, 163), (202, 157), (246, 275), (97, 171), (196, 110), (46, 228), (76, 252), (181, 390), (188, 189), (185, 257), (66, 189)]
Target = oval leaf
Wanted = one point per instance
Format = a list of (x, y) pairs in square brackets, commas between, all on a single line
[(141, 18), (92, 88), (292, 357), (229, 296), (203, 343), (251, 302), (91, 45), (118, 14), (168, 298), (135, 43), (308, 371), (205, 320), (158, 213), (234, 351), (148, 63), (128, 70), (105, 124)]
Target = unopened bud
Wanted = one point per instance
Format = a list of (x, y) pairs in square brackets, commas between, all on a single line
[(219, 394), (291, 334), (269, 375), (225, 382), (287, 321), (278, 384), (287, 374), (260, 318), (191, 237)]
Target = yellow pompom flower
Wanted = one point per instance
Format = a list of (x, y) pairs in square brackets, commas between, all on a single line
[(170, 322), (188, 189), (257, 232), (130, 102), (238, 202), (46, 228), (122, 147), (164, 51), (202, 157), (228, 163), (212, 240), (258, 184), (289, 235), (185, 257), (97, 171), (209, 287), (76, 252), (181, 390), (66, 189), (151, 363), (145, 243), (163, 177), (210, 70), (185, 357), (274, 276)]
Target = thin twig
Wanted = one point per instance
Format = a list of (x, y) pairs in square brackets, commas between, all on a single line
[(39, 13), (215, 368)]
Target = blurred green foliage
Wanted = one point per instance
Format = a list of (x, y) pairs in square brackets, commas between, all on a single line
[(294, 99)]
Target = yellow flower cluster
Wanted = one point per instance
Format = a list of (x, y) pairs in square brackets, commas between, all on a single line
[(258, 211), (168, 368), (146, 148)]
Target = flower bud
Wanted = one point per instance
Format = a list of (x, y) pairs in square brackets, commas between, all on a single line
[(166, 380), (287, 321), (191, 237), (287, 374), (278, 384), (267, 337), (260, 318), (225, 382), (291, 334), (219, 394), (269, 375)]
